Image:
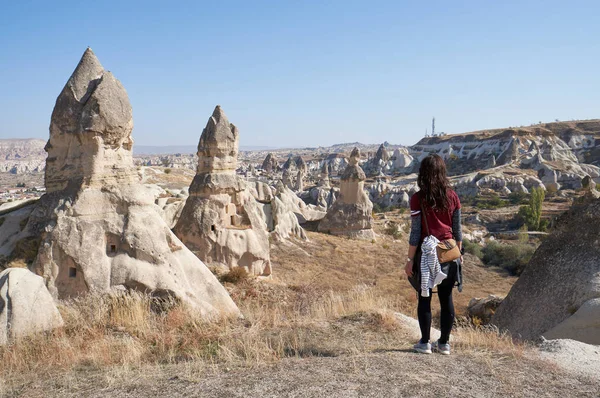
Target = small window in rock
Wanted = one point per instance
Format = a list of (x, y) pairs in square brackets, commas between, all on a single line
[(113, 248), (72, 272), (212, 227), (232, 220)]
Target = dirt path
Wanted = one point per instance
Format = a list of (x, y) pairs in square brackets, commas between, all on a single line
[(396, 373)]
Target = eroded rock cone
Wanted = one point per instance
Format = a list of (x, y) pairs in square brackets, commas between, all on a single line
[(351, 214), (221, 221), (558, 293), (270, 163), (90, 131), (324, 176), (98, 227)]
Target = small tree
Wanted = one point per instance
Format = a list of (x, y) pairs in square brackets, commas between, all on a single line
[(531, 214)]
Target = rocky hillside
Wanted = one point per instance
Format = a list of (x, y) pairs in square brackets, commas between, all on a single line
[(559, 156), (575, 141), (22, 156)]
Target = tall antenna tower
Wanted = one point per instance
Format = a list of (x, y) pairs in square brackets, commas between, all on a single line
[(433, 127)]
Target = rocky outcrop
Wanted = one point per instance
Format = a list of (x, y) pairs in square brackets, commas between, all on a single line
[(90, 131), (270, 163), (22, 156), (221, 220), (280, 218), (583, 325), (304, 213), (561, 284), (561, 154), (300, 180), (401, 159), (26, 306), (510, 154), (324, 176), (351, 214), (284, 220), (484, 308), (98, 228), (378, 164)]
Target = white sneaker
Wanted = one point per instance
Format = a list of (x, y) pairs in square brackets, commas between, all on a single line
[(423, 348), (443, 349)]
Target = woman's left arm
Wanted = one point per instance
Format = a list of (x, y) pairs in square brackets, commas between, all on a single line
[(413, 241)]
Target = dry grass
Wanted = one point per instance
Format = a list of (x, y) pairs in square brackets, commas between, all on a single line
[(329, 297), (488, 340), (130, 330)]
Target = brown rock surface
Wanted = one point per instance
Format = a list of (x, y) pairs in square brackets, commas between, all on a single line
[(351, 213), (98, 227), (221, 220), (562, 276)]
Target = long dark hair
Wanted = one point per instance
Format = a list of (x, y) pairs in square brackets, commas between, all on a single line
[(433, 182)]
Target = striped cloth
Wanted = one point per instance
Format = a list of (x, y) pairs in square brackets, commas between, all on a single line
[(431, 272)]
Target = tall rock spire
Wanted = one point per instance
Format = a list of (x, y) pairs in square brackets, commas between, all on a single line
[(90, 130), (221, 221), (218, 146), (351, 213)]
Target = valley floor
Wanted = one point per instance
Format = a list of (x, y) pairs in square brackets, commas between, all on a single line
[(329, 323), (385, 372)]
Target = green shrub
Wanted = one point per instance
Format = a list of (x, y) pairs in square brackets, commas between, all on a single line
[(512, 257), (377, 208), (490, 202), (531, 214), (517, 198), (473, 248), (167, 171), (393, 230)]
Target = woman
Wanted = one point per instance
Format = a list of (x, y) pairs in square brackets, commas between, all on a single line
[(438, 205)]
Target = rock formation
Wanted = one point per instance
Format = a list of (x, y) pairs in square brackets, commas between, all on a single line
[(300, 181), (301, 164), (90, 131), (382, 154), (483, 308), (221, 221), (351, 214), (284, 219), (290, 164), (270, 163), (401, 159), (304, 213), (26, 306), (557, 294), (286, 178), (279, 217), (98, 227), (22, 156), (561, 153), (511, 153), (324, 176)]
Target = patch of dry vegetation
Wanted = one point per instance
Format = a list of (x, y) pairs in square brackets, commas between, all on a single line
[(330, 296)]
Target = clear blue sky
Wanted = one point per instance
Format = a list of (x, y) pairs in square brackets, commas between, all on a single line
[(308, 73)]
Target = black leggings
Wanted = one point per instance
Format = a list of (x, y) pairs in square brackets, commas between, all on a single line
[(446, 316)]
